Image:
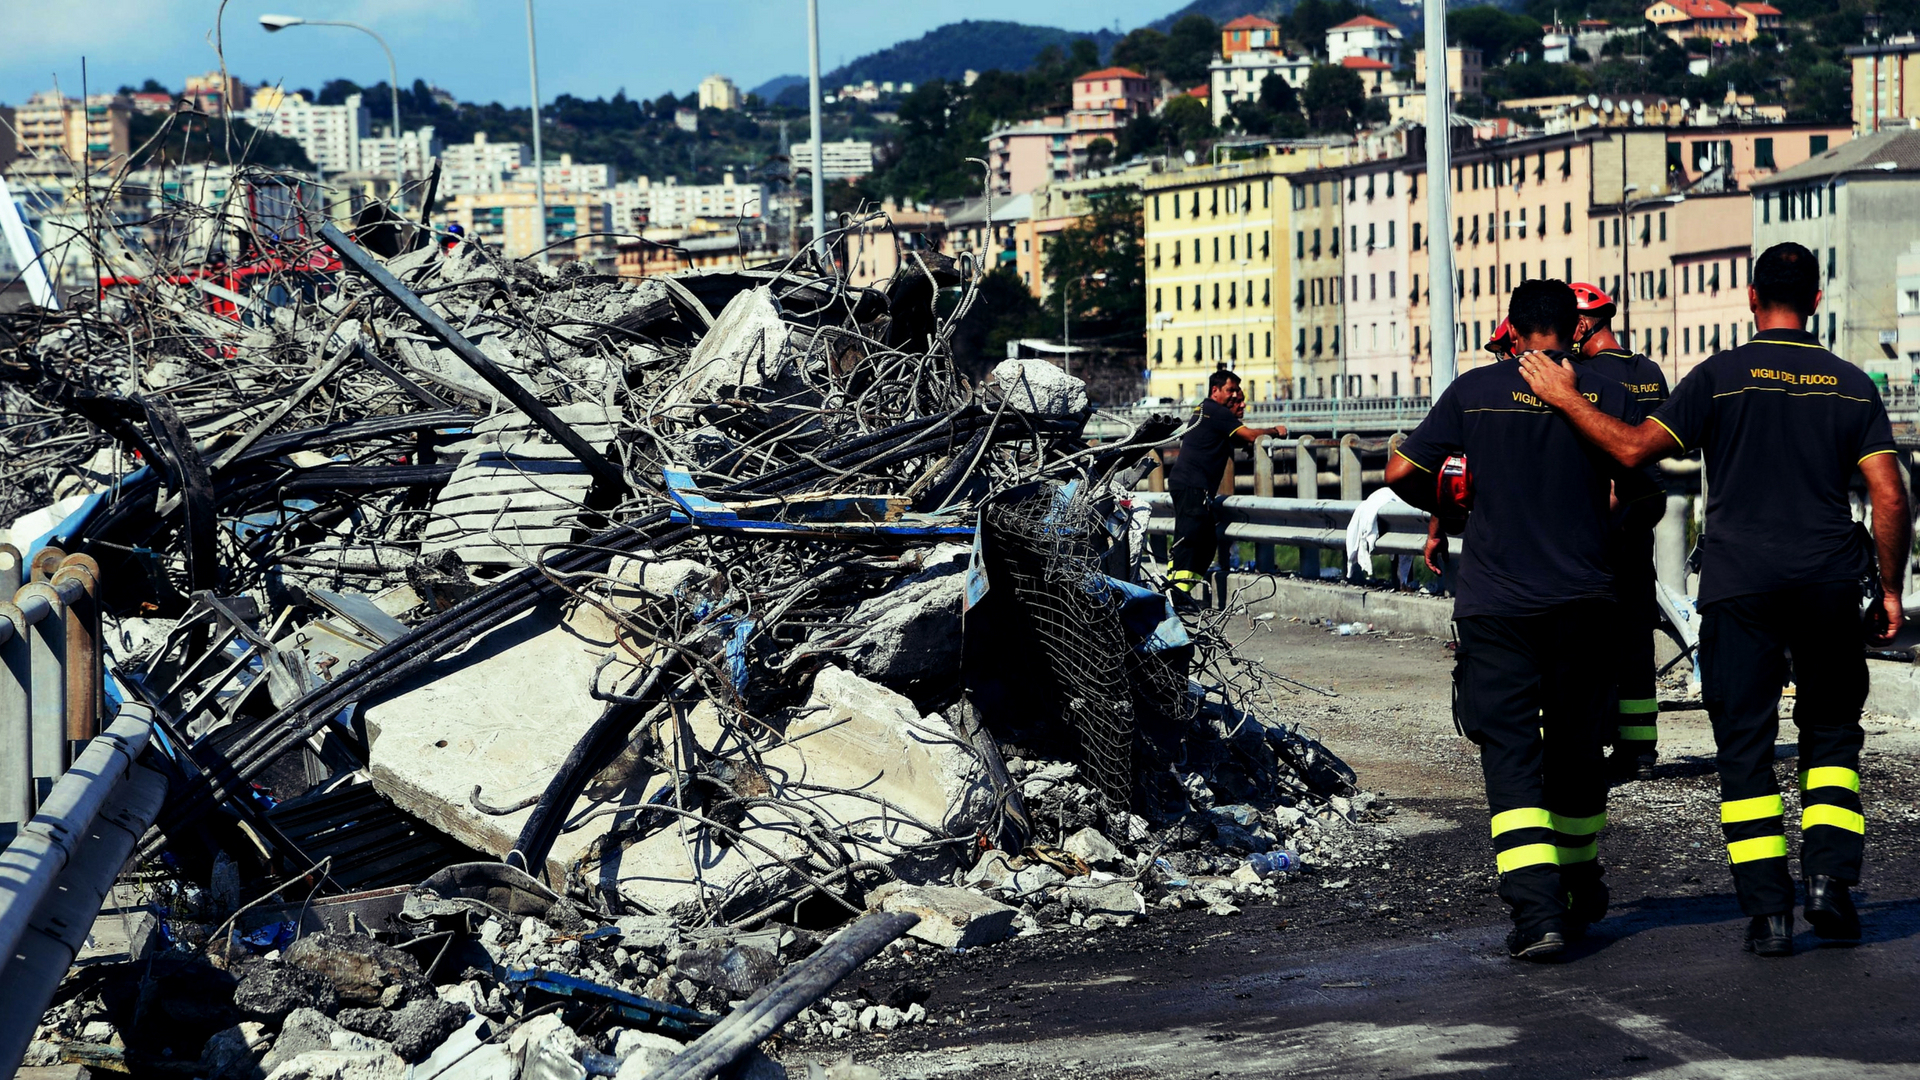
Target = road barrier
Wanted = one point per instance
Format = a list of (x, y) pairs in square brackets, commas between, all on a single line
[(1302, 523), (51, 688)]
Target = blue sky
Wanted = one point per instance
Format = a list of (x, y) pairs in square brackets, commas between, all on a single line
[(477, 48)]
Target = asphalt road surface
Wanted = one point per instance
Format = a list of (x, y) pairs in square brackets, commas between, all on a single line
[(1395, 967)]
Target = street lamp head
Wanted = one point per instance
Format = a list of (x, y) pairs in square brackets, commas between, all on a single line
[(1631, 188), (273, 23)]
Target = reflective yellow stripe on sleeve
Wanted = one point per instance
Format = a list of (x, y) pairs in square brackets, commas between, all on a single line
[(1579, 826), (1752, 809), (1527, 855), (1760, 847), (1677, 440), (1829, 776), (1637, 733), (1527, 817), (1637, 706), (1410, 461), (1837, 816)]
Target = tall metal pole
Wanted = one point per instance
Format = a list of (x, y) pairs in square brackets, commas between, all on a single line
[(399, 156), (539, 163), (1441, 299), (819, 146)]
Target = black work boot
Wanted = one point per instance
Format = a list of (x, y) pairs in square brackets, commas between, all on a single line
[(1830, 909), (1541, 942), (1770, 935), (1587, 899), (1631, 761)]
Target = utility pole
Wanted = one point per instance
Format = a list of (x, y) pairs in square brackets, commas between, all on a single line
[(539, 163), (1440, 296), (819, 146)]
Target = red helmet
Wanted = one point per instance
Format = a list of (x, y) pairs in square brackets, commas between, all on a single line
[(1453, 492), (1592, 302), (1503, 342)]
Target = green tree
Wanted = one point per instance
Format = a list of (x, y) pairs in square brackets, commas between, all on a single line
[(1497, 34), (1536, 78), (1141, 50), (1824, 92), (1335, 97), (1100, 153), (1310, 20), (1185, 121), (1097, 272), (1191, 45)]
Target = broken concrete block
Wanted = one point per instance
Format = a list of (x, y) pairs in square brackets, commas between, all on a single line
[(1115, 899), (360, 969), (993, 871), (336, 1065), (1039, 388), (852, 734), (470, 1039), (304, 1030), (423, 1025), (1030, 881), (272, 989), (547, 1049), (234, 1053), (911, 632), (739, 971), (664, 579), (951, 918), (1093, 847)]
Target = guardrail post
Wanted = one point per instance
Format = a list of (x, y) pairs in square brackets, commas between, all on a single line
[(84, 689), (1350, 468), (1263, 488), (16, 719), (1307, 486), (46, 659)]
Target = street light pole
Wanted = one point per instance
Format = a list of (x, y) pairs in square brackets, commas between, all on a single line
[(539, 163), (1626, 251), (1440, 298), (276, 23), (819, 147)]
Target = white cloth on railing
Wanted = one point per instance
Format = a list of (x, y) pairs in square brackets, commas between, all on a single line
[(1363, 531)]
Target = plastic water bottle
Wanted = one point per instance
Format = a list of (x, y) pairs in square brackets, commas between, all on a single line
[(1273, 863)]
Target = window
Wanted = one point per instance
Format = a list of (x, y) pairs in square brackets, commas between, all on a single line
[(1373, 286), (1459, 230), (1816, 144), (1474, 236), (1300, 244), (1319, 341), (1196, 251), (1269, 344), (1316, 193), (1216, 295), (1686, 339), (1507, 278), (1300, 349), (1413, 294), (1356, 289), (1195, 212), (1266, 239), (1616, 232), (1663, 341), (1213, 204), (1456, 178), (1353, 237), (1476, 281), (1156, 299), (1663, 226), (1156, 256), (1662, 294), (1543, 270), (1196, 297), (1179, 296), (1157, 356), (1156, 208), (1391, 280), (1416, 236), (1833, 265), (1179, 351), (1336, 341), (1833, 335), (1266, 293), (1299, 294), (1416, 349), (1299, 196), (1353, 187), (1733, 273), (1176, 253), (1216, 249), (1569, 276), (1566, 223), (1390, 226), (1413, 186), (1233, 246), (1266, 192), (1333, 246), (1390, 185), (1766, 208), (1506, 225), (1316, 243)]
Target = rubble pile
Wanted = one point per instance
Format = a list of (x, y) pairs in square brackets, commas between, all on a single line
[(551, 664)]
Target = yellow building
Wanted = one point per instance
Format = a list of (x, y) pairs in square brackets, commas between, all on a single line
[(507, 219), (1316, 283), (95, 132), (1886, 84)]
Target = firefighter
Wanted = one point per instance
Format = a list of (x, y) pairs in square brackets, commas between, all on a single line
[(1195, 477), (1533, 600), (1637, 733), (1784, 424)]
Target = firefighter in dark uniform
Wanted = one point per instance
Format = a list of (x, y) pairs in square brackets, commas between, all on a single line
[(1637, 735), (1784, 425), (1435, 553), (1533, 603), (1204, 452)]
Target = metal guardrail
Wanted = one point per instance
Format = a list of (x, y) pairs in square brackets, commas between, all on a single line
[(50, 677), (1307, 523), (1333, 414)]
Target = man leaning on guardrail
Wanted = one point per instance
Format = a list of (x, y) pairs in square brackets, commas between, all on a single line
[(1204, 452)]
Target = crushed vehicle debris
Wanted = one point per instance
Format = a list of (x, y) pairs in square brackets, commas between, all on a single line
[(560, 675)]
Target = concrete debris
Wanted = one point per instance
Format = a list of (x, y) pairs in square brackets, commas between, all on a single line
[(607, 637), (950, 918)]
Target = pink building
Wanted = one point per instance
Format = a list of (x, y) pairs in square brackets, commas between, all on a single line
[(1712, 251), (1115, 90), (1755, 151)]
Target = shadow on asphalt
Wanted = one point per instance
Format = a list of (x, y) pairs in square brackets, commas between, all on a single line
[(1881, 921)]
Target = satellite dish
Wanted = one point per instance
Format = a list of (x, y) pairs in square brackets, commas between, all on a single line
[(1593, 101), (1684, 106), (1606, 105), (1639, 107), (1190, 158)]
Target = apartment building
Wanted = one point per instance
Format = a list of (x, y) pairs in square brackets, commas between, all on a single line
[(330, 134), (510, 220), (639, 204), (416, 151), (1740, 155), (570, 175), (848, 159), (1378, 338), (1367, 37), (1886, 83), (56, 128), (1853, 206), (480, 166), (214, 93), (719, 92), (1712, 252), (1317, 284), (1217, 258)]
